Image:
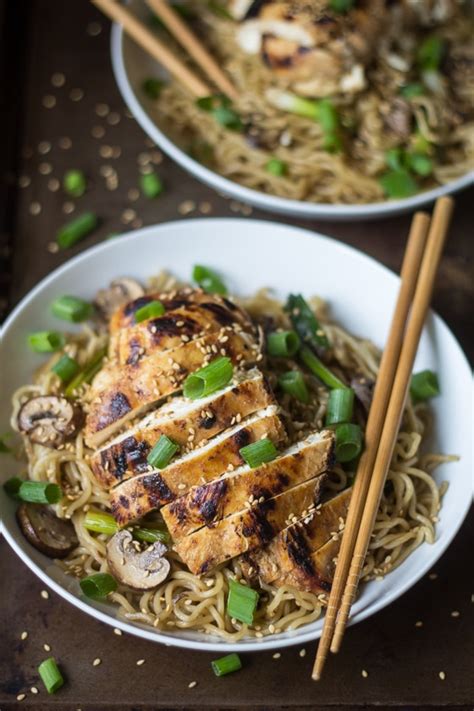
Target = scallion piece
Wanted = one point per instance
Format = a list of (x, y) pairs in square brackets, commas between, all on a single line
[(100, 522), (77, 229), (420, 164), (277, 167), (410, 91), (209, 280), (220, 108), (340, 406), (219, 10), (241, 602), (430, 53), (50, 675), (66, 368), (293, 383), (152, 88), (259, 452), (151, 185), (424, 385), (39, 492), (283, 344), (348, 442), (12, 486), (86, 375), (286, 101), (209, 379), (151, 535), (98, 586), (71, 308), (329, 120), (398, 184), (162, 453), (226, 665), (45, 341), (74, 183), (305, 322), (341, 5), (317, 367), (154, 309)]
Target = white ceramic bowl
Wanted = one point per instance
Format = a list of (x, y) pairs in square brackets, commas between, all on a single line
[(251, 254), (132, 65)]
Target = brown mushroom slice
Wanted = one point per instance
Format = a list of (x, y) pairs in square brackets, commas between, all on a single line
[(53, 536), (49, 420), (140, 570), (119, 292)]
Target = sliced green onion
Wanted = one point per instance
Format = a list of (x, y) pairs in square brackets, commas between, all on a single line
[(151, 185), (317, 367), (4, 448), (45, 341), (340, 406), (410, 91), (305, 322), (12, 486), (40, 492), (341, 5), (283, 344), (226, 665), (98, 586), (77, 229), (152, 88), (394, 158), (152, 310), (241, 602), (209, 280), (348, 442), (162, 453), (50, 675), (259, 452), (286, 101), (151, 535), (100, 522), (420, 164), (209, 379), (74, 183), (430, 53), (421, 144), (71, 308), (87, 374), (398, 184), (219, 10), (293, 383), (277, 167), (66, 368), (424, 385), (228, 118), (329, 120)]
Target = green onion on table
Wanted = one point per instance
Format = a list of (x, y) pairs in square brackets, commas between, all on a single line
[(226, 665), (50, 675), (151, 185), (77, 229), (74, 183)]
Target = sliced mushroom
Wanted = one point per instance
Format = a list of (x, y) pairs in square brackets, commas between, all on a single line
[(119, 292), (141, 570), (398, 118), (53, 536), (49, 420)]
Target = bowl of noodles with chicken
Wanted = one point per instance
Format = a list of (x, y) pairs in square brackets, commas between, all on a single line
[(345, 109), (184, 429)]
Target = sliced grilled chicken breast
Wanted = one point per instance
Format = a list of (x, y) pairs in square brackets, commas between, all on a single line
[(136, 497), (208, 503), (316, 573), (246, 530), (119, 393), (186, 422)]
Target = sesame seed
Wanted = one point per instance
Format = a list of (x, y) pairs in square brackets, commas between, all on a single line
[(97, 131), (302, 652), (133, 194), (24, 635), (24, 181), (277, 655), (113, 118), (34, 690), (76, 94), (186, 207), (419, 623), (45, 168), (20, 697), (45, 594), (102, 110), (365, 674), (53, 247), (35, 208), (96, 662), (93, 29), (58, 79), (53, 185), (140, 662), (205, 208), (46, 647), (442, 675), (44, 147), (258, 634), (433, 576), (192, 684), (117, 631), (49, 101), (455, 613), (65, 143), (68, 207)]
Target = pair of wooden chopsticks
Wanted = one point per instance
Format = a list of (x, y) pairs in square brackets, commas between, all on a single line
[(420, 264), (156, 49)]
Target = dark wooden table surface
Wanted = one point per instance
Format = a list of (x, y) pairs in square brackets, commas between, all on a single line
[(61, 110)]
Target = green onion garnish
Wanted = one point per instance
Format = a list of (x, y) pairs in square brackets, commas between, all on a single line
[(424, 385), (322, 111), (259, 452), (154, 309), (162, 453), (277, 167), (50, 675), (151, 185), (394, 158), (207, 380), (74, 183), (398, 184), (219, 10), (293, 383), (71, 308), (151, 535), (209, 280), (317, 367), (66, 368), (329, 120), (98, 586), (340, 406), (348, 442), (341, 5), (241, 602), (152, 88), (283, 344), (39, 492), (219, 107), (45, 341), (226, 665), (420, 164), (305, 322), (410, 91), (12, 486), (100, 522), (87, 374), (76, 230), (430, 53), (4, 448)]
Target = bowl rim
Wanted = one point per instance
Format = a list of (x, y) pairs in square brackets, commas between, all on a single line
[(271, 203), (267, 643)]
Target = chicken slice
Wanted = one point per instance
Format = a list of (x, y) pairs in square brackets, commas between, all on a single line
[(126, 455), (119, 393), (252, 528), (136, 497), (205, 504)]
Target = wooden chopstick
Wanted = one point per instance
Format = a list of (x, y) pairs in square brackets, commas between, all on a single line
[(409, 274), (151, 44), (192, 44), (421, 301)]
